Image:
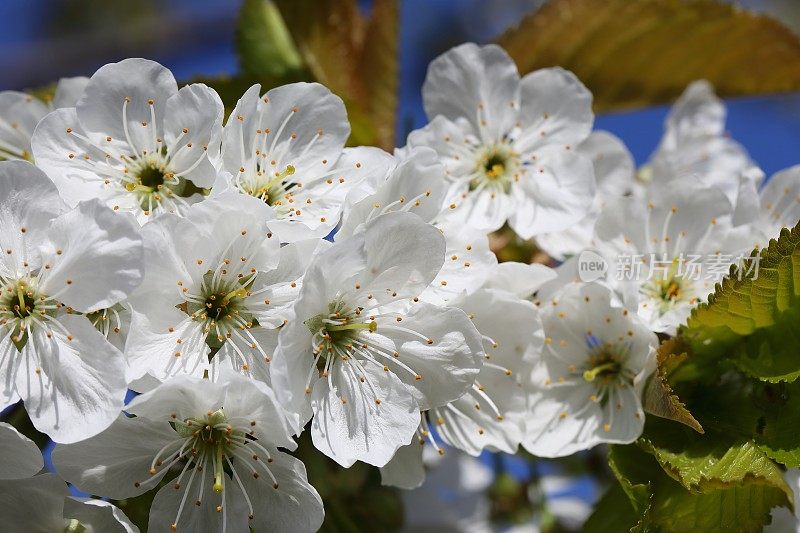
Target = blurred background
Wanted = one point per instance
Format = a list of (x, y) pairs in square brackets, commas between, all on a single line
[(42, 40)]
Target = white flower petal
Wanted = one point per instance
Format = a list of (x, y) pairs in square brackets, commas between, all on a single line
[(79, 378), (519, 278), (131, 85), (468, 262), (406, 469), (33, 505), (614, 173), (557, 190), (397, 256), (290, 370), (249, 399), (19, 114), (197, 110), (22, 457), (60, 148), (417, 185), (69, 91), (319, 202), (698, 113), (480, 83), (112, 462), (378, 163), (350, 426), (294, 506), (484, 211), (280, 287), (447, 366), (164, 260), (779, 201), (556, 108), (551, 430), (515, 330), (101, 261), (28, 201), (234, 224), (238, 354), (154, 342), (316, 117), (232, 516), (614, 166)]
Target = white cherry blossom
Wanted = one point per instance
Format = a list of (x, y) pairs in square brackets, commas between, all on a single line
[(287, 149), (508, 144), (665, 252), (21, 112), (363, 355), (696, 145), (592, 373), (134, 140), (222, 437), (57, 267), (492, 412), (216, 279), (413, 181)]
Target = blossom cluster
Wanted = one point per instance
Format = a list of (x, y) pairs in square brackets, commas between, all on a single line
[(251, 277)]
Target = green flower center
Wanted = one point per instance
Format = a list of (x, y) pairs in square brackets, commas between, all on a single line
[(151, 177), (668, 290), (605, 366), (154, 184), (273, 188), (495, 168), (21, 307), (336, 332), (221, 307), (212, 437)]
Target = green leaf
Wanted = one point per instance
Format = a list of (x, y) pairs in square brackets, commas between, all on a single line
[(778, 434), (750, 320), (612, 514), (771, 355), (634, 475), (740, 508), (263, 42), (659, 398), (707, 466), (638, 53), (757, 299), (743, 503)]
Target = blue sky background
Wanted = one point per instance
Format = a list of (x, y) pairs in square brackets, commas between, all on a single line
[(195, 37)]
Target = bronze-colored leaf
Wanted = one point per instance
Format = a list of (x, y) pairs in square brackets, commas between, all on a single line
[(380, 69), (355, 57), (659, 398), (635, 53), (328, 34)]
